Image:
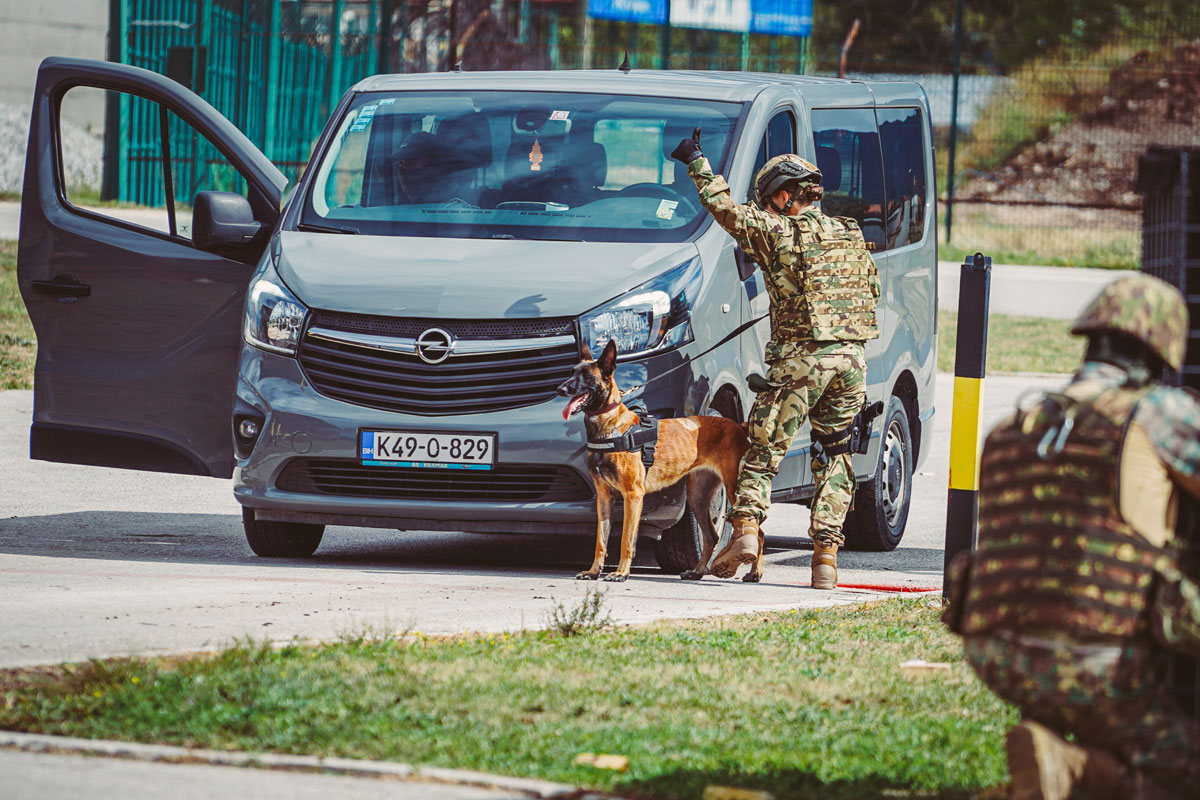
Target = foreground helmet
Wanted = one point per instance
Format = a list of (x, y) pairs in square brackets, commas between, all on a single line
[(781, 171), (1146, 308)]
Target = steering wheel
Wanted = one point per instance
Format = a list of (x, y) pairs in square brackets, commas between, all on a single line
[(656, 190)]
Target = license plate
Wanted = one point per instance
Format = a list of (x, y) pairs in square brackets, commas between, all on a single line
[(422, 449)]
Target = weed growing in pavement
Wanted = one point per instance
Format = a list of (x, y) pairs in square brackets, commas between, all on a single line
[(588, 615)]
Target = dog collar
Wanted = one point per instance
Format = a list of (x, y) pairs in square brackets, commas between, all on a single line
[(604, 410)]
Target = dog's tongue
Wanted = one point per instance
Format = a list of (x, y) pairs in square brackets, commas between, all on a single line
[(574, 405)]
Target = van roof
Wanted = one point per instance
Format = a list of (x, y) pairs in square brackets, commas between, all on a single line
[(697, 84)]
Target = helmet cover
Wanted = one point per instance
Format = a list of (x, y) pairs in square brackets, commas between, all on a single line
[(1148, 309)]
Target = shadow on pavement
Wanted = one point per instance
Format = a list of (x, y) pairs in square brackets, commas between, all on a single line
[(218, 539)]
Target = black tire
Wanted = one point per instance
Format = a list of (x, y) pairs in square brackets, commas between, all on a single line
[(281, 539), (680, 545), (876, 523)]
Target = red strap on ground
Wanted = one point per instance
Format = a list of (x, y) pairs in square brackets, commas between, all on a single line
[(878, 588)]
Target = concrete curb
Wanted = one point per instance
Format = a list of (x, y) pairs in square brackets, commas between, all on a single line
[(348, 767)]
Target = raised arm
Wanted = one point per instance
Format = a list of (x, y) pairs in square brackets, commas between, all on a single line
[(755, 230)]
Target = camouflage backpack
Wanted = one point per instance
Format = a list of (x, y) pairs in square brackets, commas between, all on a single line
[(1054, 552)]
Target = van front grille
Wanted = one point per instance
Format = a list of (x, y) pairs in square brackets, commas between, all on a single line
[(369, 367), (513, 483)]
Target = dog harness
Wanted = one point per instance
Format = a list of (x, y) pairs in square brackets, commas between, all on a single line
[(641, 436)]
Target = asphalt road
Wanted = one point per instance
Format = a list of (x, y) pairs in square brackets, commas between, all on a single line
[(100, 562)]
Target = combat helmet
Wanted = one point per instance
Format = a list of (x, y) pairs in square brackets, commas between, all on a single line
[(1144, 307), (781, 171)]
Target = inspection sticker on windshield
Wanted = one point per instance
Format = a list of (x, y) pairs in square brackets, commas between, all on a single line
[(442, 450), (558, 116), (365, 115), (666, 209)]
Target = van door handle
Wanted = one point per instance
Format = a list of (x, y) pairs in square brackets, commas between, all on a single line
[(63, 286)]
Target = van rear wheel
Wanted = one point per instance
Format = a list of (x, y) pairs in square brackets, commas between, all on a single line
[(876, 524), (280, 539), (678, 548)]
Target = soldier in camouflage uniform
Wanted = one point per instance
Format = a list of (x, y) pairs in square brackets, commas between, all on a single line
[(1073, 598), (823, 287)]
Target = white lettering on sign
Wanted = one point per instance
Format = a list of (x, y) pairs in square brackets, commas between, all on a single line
[(720, 15)]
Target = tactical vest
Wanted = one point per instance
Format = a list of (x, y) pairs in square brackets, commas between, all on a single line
[(837, 276), (1054, 552)]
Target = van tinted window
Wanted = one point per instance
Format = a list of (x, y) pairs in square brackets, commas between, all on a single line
[(851, 167), (517, 165), (901, 136)]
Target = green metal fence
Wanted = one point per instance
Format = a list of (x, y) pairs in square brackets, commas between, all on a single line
[(273, 67)]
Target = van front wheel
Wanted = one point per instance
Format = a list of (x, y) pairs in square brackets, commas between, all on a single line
[(876, 523), (280, 539)]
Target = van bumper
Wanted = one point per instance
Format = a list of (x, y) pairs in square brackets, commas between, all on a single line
[(304, 431)]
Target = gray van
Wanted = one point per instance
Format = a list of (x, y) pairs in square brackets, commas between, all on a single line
[(380, 346)]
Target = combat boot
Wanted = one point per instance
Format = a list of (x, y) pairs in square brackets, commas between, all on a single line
[(742, 548), (1046, 767), (824, 565)]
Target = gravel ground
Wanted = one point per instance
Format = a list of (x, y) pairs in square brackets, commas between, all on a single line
[(83, 152)]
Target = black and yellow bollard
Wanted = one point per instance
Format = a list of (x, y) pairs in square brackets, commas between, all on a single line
[(966, 424)]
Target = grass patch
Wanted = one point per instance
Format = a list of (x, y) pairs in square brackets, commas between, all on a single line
[(1064, 245), (801, 704), (18, 346), (1016, 344)]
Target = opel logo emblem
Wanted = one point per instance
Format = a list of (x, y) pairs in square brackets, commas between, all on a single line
[(434, 346)]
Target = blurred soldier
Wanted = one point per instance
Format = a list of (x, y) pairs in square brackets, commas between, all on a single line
[(1073, 598), (823, 287), (422, 164)]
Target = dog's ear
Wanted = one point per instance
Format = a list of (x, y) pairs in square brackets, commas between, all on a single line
[(608, 359), (587, 354)]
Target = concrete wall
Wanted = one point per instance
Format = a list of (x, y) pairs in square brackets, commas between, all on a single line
[(30, 30)]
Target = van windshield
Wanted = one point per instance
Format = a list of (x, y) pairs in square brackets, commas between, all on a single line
[(517, 165)]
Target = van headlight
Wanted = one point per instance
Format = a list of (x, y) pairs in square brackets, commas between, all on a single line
[(274, 317), (655, 316)]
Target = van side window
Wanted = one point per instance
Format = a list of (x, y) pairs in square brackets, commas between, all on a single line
[(780, 138), (144, 167), (901, 136), (851, 165)]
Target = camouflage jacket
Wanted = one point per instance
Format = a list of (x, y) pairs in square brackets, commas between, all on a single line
[(1064, 544), (822, 282)]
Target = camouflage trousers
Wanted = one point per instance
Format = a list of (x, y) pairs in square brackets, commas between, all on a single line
[(1111, 697), (826, 384)]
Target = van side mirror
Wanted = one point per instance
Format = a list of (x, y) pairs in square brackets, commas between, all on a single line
[(745, 264), (222, 220)]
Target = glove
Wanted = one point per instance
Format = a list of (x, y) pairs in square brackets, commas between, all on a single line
[(688, 150)]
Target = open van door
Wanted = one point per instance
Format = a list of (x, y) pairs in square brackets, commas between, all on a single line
[(137, 294)]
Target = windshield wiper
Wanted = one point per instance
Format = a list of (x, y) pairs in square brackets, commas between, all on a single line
[(309, 226)]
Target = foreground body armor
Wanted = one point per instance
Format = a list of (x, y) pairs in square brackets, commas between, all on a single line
[(1054, 552)]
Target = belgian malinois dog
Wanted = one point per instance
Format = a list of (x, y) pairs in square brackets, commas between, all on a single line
[(705, 450)]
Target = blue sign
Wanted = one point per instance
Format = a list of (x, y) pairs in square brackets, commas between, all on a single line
[(651, 11), (781, 17), (777, 17)]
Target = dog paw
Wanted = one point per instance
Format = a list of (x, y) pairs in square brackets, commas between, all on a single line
[(750, 577), (691, 575), (615, 577), (587, 576)]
